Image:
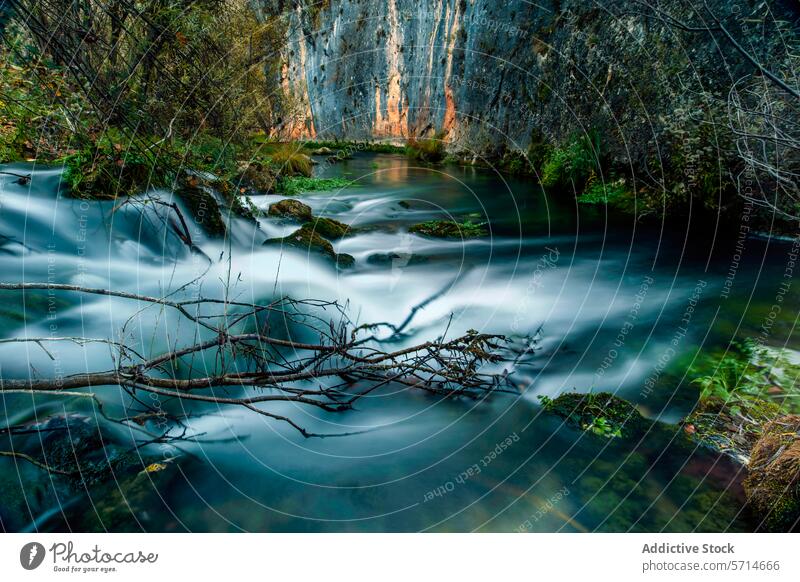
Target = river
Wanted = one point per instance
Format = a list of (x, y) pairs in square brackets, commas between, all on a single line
[(620, 306)]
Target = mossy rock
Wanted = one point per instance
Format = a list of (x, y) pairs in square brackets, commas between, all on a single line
[(132, 501), (330, 228), (204, 208), (449, 229), (259, 177), (773, 481), (293, 209), (602, 414), (308, 240)]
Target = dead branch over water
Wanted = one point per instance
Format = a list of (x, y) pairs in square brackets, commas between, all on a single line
[(254, 366)]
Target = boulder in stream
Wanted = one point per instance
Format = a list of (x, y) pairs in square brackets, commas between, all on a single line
[(329, 228), (601, 414), (291, 208), (449, 229), (308, 240)]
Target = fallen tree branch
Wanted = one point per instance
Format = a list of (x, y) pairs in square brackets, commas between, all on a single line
[(330, 374)]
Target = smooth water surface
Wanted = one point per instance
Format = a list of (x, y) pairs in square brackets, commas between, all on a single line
[(621, 306)]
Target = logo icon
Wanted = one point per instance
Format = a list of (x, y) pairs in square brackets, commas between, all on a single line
[(31, 555)]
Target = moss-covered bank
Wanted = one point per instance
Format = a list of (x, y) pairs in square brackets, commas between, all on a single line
[(747, 409)]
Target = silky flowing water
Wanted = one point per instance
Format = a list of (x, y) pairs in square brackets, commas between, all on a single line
[(620, 306)]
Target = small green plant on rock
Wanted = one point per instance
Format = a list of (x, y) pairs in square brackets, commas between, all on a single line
[(601, 414)]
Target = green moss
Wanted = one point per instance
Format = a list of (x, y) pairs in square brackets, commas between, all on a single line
[(291, 160), (538, 150), (730, 427), (308, 240), (773, 482), (329, 228), (203, 207), (450, 229), (514, 162), (108, 167), (602, 414), (291, 209), (741, 391)]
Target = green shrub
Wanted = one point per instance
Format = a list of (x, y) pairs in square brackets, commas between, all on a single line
[(732, 375), (611, 193), (108, 167), (572, 165), (291, 160), (206, 153), (538, 151)]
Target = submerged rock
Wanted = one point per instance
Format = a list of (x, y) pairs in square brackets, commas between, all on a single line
[(308, 240), (396, 259), (83, 464), (290, 208)]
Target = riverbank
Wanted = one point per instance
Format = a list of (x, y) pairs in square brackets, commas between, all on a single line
[(747, 409)]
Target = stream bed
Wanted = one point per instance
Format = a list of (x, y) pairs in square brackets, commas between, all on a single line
[(619, 306)]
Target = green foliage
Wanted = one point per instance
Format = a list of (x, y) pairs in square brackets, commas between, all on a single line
[(450, 229), (701, 156), (601, 414), (538, 151), (111, 165), (291, 160), (352, 146), (603, 427), (573, 164), (207, 153), (292, 186), (612, 193), (733, 375), (108, 167), (745, 374), (196, 93), (514, 162), (34, 102)]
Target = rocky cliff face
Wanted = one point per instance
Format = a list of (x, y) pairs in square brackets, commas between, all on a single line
[(394, 68), (492, 76)]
